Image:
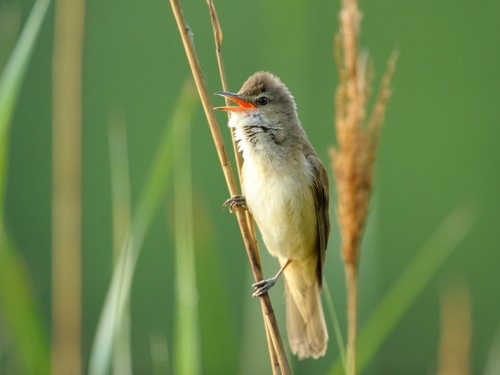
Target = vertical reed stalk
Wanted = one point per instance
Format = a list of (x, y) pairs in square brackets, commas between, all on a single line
[(454, 346), (239, 160), (352, 316), (248, 237), (353, 160), (66, 193)]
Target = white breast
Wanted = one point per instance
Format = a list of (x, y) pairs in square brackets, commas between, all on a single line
[(279, 195)]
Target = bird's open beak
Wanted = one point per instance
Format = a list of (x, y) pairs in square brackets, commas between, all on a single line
[(244, 105)]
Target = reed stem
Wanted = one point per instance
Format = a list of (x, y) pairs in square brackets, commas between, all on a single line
[(66, 193), (241, 216)]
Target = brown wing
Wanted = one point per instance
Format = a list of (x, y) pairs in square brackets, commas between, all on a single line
[(320, 192)]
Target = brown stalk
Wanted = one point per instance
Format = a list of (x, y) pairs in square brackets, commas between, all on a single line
[(456, 331), (66, 188), (222, 73), (248, 238), (239, 160), (353, 160)]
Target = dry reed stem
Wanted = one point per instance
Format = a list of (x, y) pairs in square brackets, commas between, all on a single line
[(222, 73), (248, 238), (354, 158), (218, 36), (66, 190), (454, 346)]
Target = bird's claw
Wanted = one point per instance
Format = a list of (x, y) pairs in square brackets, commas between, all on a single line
[(234, 202), (261, 287)]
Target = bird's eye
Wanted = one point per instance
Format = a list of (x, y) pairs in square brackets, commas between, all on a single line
[(262, 100)]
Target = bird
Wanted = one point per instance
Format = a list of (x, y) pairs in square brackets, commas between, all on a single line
[(285, 187)]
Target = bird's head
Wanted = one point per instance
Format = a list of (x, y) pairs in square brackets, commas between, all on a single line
[(264, 96)]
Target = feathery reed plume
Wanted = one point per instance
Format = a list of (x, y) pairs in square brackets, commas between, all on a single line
[(353, 160), (276, 347)]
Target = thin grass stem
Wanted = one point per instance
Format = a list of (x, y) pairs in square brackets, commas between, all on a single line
[(222, 73), (398, 299), (335, 323), (121, 214), (186, 344), (147, 205)]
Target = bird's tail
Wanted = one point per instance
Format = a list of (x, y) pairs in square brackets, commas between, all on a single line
[(306, 327)]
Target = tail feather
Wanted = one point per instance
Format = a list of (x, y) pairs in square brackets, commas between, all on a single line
[(306, 327)]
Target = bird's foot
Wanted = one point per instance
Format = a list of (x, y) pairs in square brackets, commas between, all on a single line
[(261, 287), (234, 202)]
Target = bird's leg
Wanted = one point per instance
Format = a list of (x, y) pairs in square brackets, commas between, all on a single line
[(235, 201), (263, 286)]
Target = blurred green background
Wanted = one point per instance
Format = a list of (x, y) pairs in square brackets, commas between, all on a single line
[(439, 149)]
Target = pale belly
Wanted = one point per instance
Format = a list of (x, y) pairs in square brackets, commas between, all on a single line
[(283, 208)]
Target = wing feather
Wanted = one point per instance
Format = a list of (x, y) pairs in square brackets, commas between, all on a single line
[(320, 189)]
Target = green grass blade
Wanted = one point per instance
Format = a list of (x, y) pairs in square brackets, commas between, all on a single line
[(121, 213), (157, 180), (492, 366), (12, 78), (149, 201), (17, 303), (186, 339), (411, 282), (20, 310)]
